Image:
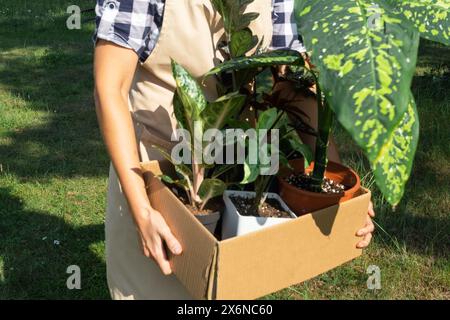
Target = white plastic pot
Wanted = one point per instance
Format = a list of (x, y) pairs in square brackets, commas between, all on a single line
[(234, 224)]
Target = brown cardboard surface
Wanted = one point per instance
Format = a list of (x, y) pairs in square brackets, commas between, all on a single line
[(262, 262), (194, 268)]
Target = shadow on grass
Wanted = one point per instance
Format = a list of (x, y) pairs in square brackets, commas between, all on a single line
[(45, 73), (34, 266), (51, 76)]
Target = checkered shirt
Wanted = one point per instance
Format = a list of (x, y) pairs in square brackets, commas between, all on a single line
[(136, 24)]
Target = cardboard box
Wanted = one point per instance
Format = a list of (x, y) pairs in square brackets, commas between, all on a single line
[(261, 262)]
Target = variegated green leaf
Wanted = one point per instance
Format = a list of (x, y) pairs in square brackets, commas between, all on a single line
[(251, 172), (180, 183), (217, 113), (366, 60), (393, 168), (277, 57), (193, 102), (242, 41), (211, 188), (430, 17), (178, 110), (264, 83)]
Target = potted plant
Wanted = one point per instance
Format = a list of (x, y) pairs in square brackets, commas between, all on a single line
[(247, 211), (199, 181), (364, 55)]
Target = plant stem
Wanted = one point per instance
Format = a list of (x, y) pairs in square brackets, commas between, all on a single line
[(325, 121), (261, 185)]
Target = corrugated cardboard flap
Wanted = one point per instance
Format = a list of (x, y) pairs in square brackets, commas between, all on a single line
[(274, 258), (195, 267)]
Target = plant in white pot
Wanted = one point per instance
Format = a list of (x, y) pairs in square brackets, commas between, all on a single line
[(199, 181), (247, 211)]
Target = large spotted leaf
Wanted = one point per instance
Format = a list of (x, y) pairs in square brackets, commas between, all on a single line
[(430, 17), (366, 60), (393, 168)]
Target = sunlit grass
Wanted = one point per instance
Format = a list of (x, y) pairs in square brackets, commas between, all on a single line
[(53, 171)]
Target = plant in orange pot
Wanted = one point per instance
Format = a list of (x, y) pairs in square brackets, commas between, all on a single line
[(364, 55)]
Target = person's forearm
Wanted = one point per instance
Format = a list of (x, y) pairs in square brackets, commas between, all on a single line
[(118, 133)]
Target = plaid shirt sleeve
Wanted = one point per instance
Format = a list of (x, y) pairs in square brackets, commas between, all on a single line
[(136, 24), (133, 24), (285, 33)]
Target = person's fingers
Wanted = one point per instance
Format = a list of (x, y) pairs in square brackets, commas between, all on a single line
[(172, 243), (371, 211), (365, 241), (160, 257), (368, 228), (145, 249)]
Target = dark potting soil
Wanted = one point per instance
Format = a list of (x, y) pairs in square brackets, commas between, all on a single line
[(303, 181), (271, 208), (212, 206)]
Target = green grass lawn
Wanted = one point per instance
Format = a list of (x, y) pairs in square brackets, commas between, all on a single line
[(53, 174)]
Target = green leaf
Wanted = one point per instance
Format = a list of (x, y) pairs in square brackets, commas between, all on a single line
[(232, 13), (211, 188), (365, 66), (297, 145), (182, 169), (181, 183), (430, 17), (251, 172), (178, 110), (222, 110), (167, 179), (277, 57), (264, 83), (267, 119), (393, 168), (241, 42), (245, 20), (190, 94)]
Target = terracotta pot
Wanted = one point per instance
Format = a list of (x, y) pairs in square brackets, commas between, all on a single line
[(303, 202)]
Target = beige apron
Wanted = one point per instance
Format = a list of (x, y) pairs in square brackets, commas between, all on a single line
[(190, 33)]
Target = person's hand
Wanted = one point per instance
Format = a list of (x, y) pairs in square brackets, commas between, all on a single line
[(155, 236), (367, 230)]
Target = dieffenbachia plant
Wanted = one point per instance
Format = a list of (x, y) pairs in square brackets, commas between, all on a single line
[(196, 115), (365, 53)]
